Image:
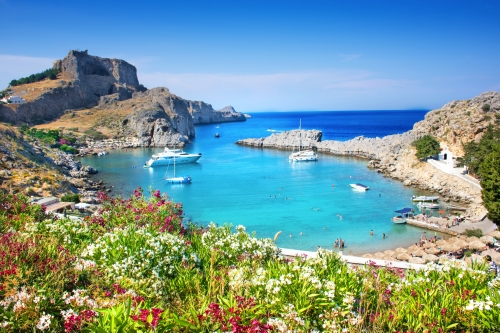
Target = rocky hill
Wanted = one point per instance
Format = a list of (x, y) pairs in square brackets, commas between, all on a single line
[(454, 124), (34, 169), (109, 91)]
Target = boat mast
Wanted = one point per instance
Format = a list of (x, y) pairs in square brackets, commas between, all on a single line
[(300, 134)]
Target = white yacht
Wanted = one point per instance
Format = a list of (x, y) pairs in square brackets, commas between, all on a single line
[(359, 187), (302, 155), (167, 157)]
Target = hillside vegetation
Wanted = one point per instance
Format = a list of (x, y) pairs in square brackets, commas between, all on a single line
[(29, 168)]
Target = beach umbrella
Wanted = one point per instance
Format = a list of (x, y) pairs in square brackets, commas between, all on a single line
[(477, 245), (471, 239), (428, 245), (495, 234), (418, 253), (389, 253), (400, 250), (461, 243), (430, 257), (378, 255), (441, 242), (487, 239), (403, 256), (367, 255), (413, 248), (450, 247), (388, 258), (452, 240), (416, 260), (433, 250)]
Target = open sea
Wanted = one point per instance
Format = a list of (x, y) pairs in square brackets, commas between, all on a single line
[(260, 189)]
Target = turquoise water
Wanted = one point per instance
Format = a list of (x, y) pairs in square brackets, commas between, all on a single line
[(261, 190)]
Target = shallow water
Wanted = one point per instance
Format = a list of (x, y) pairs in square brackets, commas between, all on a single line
[(261, 190)]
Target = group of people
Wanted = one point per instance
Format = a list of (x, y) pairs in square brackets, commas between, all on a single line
[(372, 233), (339, 243)]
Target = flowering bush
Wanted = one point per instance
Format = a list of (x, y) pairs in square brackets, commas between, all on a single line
[(134, 266)]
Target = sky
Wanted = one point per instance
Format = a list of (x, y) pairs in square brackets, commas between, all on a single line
[(272, 55)]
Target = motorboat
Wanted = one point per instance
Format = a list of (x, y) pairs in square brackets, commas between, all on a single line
[(303, 156), (402, 215), (422, 198), (359, 187), (167, 156), (307, 155), (429, 205)]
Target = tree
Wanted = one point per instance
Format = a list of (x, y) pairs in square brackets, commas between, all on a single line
[(475, 152), (490, 182), (426, 146)]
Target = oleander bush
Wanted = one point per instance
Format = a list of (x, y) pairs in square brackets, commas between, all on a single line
[(135, 266)]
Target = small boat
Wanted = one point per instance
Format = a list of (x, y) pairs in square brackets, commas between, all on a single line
[(359, 186), (302, 155), (178, 180), (424, 198), (102, 153), (429, 205), (402, 215), (166, 157)]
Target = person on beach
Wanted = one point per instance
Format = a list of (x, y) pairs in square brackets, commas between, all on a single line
[(493, 268), (383, 236), (371, 232), (341, 243), (336, 244)]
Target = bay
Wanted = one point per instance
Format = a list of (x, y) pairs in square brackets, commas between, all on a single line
[(311, 203)]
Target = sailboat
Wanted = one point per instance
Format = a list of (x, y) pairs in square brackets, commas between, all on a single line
[(302, 155), (178, 180)]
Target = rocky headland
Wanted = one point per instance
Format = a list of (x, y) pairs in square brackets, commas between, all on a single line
[(454, 124), (104, 95)]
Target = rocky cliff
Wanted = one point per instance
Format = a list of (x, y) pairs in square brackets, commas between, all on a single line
[(93, 84), (453, 125), (83, 80)]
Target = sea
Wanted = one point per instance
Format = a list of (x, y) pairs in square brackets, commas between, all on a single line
[(310, 204)]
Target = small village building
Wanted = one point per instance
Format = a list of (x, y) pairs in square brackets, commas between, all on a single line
[(446, 157), (13, 100)]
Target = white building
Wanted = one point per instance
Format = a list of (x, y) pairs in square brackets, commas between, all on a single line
[(446, 156), (13, 100)]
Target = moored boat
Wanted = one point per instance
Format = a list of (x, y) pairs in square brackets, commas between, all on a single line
[(424, 198), (359, 186), (167, 156), (430, 205), (402, 215)]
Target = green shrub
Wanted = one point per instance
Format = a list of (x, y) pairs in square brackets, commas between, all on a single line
[(474, 232), (426, 146), (50, 73), (96, 135), (485, 107), (71, 197)]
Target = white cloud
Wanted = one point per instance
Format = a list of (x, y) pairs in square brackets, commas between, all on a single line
[(15, 67)]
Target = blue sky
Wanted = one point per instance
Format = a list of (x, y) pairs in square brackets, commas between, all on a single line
[(272, 55)]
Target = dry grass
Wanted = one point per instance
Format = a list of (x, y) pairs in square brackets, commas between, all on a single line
[(31, 91)]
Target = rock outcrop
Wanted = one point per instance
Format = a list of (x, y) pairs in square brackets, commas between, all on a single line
[(456, 123), (286, 140), (154, 118), (203, 113), (86, 79)]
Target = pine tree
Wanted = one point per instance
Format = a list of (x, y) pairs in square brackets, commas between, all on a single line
[(426, 146), (489, 171)]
